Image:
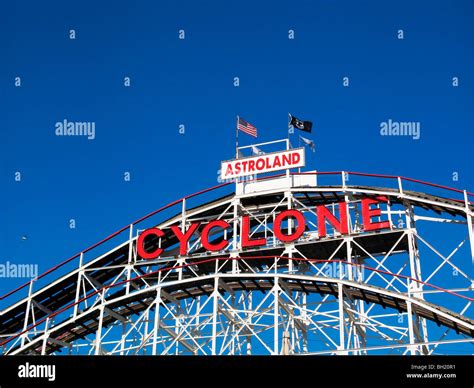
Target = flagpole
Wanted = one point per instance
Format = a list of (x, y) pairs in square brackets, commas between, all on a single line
[(288, 129), (237, 139), (299, 146)]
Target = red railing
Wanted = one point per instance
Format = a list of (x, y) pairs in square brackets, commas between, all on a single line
[(161, 209), (216, 260), (112, 236)]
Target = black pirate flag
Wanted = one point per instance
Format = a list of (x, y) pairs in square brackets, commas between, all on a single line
[(302, 125)]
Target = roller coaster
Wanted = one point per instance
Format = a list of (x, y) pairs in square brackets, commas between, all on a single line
[(405, 288)]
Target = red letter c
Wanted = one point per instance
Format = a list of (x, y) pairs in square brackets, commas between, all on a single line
[(205, 236), (141, 244)]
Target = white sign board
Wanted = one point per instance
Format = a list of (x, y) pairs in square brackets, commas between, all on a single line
[(261, 164)]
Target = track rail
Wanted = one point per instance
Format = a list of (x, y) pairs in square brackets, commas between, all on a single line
[(54, 300), (468, 196)]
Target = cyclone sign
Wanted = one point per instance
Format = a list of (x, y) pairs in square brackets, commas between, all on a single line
[(324, 215), (263, 163)]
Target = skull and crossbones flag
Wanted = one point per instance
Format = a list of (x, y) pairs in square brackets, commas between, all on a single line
[(302, 125)]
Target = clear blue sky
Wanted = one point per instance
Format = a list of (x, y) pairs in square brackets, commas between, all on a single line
[(190, 82)]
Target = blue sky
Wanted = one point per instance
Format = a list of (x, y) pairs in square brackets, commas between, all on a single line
[(190, 82)]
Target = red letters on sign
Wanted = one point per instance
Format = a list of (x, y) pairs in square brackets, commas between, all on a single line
[(340, 225), (299, 229), (184, 237), (245, 239), (141, 244), (323, 214), (368, 213), (205, 236)]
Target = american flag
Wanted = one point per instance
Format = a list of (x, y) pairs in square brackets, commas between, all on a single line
[(246, 127)]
